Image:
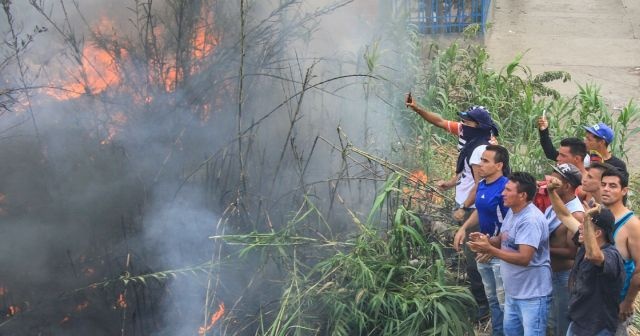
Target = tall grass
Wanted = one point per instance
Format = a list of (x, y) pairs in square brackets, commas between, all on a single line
[(379, 282), (459, 76)]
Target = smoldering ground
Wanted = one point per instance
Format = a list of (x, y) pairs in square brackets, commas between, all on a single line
[(134, 177)]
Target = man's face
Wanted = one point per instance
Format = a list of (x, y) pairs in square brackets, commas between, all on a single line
[(592, 141), (488, 166), (511, 196), (565, 156), (612, 191), (591, 180)]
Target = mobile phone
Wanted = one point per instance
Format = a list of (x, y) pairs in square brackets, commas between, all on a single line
[(409, 98)]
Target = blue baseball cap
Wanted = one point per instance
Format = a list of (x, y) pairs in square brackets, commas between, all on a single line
[(602, 131), (481, 115)]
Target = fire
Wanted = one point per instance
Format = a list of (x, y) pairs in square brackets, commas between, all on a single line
[(13, 310), (97, 73), (97, 70), (419, 176), (214, 318), (82, 306), (65, 320), (88, 271), (204, 42), (117, 121), (416, 181), (417, 192), (122, 301)]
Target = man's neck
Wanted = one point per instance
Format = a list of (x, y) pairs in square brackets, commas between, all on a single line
[(568, 197), (519, 207), (618, 209), (605, 153), (493, 178), (602, 242)]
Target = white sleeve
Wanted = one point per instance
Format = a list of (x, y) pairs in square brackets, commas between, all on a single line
[(477, 155)]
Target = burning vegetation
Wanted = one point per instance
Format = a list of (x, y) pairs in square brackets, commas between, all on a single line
[(173, 167)]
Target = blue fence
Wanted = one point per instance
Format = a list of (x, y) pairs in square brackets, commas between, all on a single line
[(443, 16)]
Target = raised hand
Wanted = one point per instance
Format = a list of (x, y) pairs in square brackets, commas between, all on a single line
[(554, 183)]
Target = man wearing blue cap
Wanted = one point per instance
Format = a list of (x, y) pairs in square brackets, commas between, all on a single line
[(597, 139)]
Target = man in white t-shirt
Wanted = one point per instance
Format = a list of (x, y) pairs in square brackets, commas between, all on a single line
[(475, 130)]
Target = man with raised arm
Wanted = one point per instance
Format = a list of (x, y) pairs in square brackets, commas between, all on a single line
[(597, 277), (475, 130), (598, 274), (626, 236), (572, 150), (523, 248), (563, 249)]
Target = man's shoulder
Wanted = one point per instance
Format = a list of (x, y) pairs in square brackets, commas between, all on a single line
[(531, 214), (634, 221), (617, 162)]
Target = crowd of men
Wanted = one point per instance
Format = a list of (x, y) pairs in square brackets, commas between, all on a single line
[(544, 257)]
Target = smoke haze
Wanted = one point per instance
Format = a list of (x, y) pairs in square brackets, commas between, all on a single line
[(135, 176)]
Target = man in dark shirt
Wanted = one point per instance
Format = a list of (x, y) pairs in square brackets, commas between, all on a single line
[(597, 139), (596, 278), (572, 150), (598, 273)]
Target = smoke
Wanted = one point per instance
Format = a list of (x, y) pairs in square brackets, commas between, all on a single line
[(91, 197)]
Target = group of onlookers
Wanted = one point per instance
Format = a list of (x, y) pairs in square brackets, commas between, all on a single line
[(555, 256)]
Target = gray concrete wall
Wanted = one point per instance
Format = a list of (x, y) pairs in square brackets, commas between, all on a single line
[(595, 40)]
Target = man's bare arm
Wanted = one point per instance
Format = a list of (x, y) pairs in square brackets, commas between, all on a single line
[(559, 208), (429, 116), (593, 253), (633, 244)]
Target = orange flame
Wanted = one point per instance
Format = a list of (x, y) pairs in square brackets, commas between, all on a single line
[(97, 73), (204, 41), (13, 310), (417, 192), (117, 121), (214, 318), (82, 306), (122, 301), (417, 179), (88, 271)]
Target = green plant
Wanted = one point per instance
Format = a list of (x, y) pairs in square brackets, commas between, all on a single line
[(393, 285)]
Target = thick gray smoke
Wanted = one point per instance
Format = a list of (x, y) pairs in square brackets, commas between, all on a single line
[(134, 177)]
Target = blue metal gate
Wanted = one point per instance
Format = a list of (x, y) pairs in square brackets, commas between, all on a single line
[(443, 16)]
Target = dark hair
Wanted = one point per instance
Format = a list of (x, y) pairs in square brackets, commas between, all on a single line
[(526, 183), (603, 166), (576, 146), (501, 156), (615, 171)]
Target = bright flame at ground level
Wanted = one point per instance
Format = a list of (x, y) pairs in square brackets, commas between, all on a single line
[(214, 318)]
